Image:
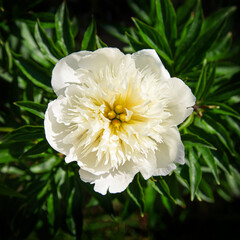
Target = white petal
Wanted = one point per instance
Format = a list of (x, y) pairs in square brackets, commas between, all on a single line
[(55, 131), (169, 152), (64, 71), (68, 68), (181, 101), (115, 180), (148, 58), (100, 59)]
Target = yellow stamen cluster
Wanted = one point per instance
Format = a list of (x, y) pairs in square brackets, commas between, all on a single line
[(117, 115)]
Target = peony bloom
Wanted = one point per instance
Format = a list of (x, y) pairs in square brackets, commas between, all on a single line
[(117, 115)]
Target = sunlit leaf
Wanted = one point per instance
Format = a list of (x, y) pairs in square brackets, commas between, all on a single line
[(32, 107), (64, 30), (35, 74), (46, 44), (154, 40), (89, 38)]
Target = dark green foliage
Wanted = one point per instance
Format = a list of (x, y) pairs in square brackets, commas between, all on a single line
[(42, 197)]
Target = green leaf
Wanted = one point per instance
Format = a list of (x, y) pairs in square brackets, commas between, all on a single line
[(100, 43), (89, 38), (184, 11), (210, 161), (40, 147), (154, 40), (191, 139), (202, 80), (228, 71), (198, 50), (34, 73), (169, 18), (46, 44), (216, 128), (162, 188), (220, 48), (203, 130), (209, 81), (221, 108), (134, 43), (213, 20), (31, 48), (191, 32), (64, 30), (187, 122), (195, 173), (24, 134), (205, 191), (32, 107), (6, 157), (159, 19), (140, 12), (135, 191)]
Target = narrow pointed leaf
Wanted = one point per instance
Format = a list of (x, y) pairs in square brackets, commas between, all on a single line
[(24, 134), (64, 30), (223, 109), (154, 40), (100, 43), (169, 17), (195, 173), (46, 44), (89, 38), (140, 12), (220, 49), (40, 147), (159, 19), (134, 43), (191, 139), (35, 108), (192, 32), (202, 80), (210, 161), (184, 11), (207, 38), (162, 188), (35, 74)]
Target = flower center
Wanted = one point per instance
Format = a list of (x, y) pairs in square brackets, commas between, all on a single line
[(117, 116)]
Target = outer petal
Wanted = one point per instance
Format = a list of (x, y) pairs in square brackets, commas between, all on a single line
[(115, 180), (64, 71), (55, 131), (149, 58), (67, 69), (181, 101), (169, 152)]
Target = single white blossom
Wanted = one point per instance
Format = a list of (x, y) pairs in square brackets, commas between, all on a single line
[(116, 115)]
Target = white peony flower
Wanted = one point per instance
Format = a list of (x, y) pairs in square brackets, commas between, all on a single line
[(116, 115)]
